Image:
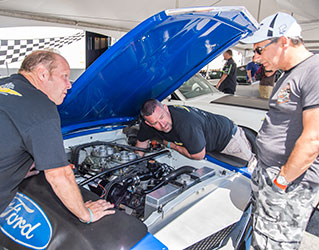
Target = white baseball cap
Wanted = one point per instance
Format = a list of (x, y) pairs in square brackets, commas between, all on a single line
[(276, 25)]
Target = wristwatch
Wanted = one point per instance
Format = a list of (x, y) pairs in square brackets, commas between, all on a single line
[(281, 182)]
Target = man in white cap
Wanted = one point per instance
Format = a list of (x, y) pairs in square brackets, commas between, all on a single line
[(286, 179)]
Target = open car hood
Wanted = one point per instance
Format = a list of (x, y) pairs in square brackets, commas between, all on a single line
[(151, 61)]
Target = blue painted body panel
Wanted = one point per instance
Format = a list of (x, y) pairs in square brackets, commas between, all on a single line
[(149, 242), (150, 61)]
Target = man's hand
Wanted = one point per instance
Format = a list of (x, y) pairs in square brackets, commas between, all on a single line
[(63, 183), (99, 209), (32, 171)]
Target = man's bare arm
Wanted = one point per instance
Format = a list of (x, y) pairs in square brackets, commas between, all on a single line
[(184, 151), (306, 148), (249, 76), (63, 183)]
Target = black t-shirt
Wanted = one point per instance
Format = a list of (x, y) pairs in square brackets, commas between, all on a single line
[(230, 81), (193, 129), (29, 131)]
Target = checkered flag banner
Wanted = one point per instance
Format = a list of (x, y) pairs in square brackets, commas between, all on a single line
[(16, 50)]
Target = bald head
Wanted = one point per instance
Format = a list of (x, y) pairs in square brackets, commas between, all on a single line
[(49, 72), (44, 57)]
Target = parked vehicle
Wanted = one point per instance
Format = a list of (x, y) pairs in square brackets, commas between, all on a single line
[(215, 74), (241, 74), (162, 200)]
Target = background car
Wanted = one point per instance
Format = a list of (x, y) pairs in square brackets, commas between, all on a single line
[(214, 74), (241, 74)]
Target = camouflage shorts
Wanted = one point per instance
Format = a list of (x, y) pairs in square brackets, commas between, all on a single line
[(279, 217)]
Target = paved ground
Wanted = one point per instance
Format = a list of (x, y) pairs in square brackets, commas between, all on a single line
[(311, 236)]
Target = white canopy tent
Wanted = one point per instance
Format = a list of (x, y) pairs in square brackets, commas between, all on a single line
[(115, 18)]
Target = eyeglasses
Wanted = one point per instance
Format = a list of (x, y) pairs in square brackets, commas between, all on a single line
[(259, 50)]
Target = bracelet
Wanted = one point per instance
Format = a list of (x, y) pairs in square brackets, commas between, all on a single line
[(88, 222), (168, 145)]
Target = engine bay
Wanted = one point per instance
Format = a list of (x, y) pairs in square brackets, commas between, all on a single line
[(163, 189), (138, 185)]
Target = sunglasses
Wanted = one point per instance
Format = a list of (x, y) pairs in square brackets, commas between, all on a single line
[(259, 50)]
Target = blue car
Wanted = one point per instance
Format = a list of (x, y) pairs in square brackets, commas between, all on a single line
[(163, 200)]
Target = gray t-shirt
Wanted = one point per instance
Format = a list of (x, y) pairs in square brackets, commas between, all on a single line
[(296, 91)]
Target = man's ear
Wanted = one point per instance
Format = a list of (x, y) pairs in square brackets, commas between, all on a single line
[(42, 72), (284, 41), (165, 107)]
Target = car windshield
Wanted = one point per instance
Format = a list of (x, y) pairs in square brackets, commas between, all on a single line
[(196, 86)]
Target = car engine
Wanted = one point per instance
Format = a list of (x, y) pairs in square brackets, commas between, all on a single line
[(138, 185)]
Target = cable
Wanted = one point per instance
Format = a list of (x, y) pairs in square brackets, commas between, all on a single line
[(104, 190)]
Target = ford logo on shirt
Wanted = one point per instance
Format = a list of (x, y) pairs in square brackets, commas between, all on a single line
[(26, 223)]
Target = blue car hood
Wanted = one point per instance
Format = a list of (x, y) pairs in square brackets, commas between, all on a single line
[(151, 61)]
